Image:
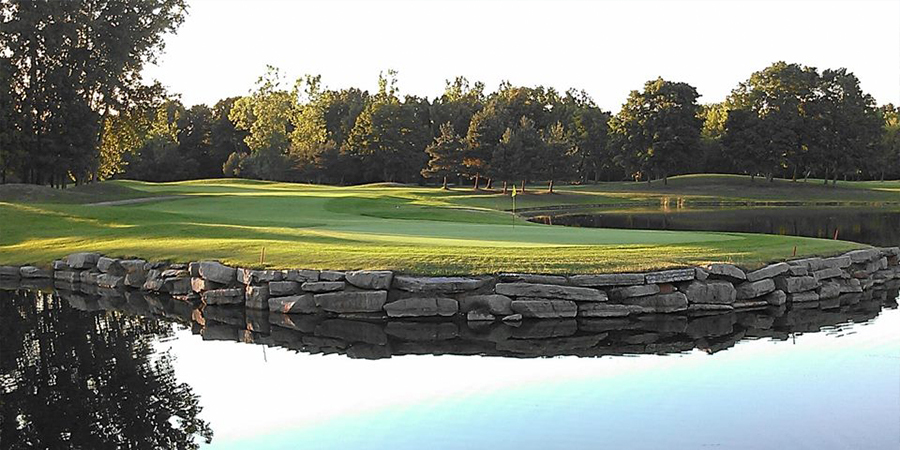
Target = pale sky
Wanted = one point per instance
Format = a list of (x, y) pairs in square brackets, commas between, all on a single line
[(607, 48)]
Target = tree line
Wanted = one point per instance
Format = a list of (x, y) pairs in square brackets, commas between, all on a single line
[(786, 120)]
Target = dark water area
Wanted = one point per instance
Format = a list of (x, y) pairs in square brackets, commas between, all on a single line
[(873, 226), (132, 370)]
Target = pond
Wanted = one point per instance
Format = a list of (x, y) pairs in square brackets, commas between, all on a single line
[(869, 225), (139, 371)]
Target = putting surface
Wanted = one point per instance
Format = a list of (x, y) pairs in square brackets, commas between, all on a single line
[(411, 229)]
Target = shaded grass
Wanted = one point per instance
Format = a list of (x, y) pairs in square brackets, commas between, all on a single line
[(411, 229)]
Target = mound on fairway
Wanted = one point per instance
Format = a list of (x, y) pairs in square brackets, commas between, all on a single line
[(411, 229)]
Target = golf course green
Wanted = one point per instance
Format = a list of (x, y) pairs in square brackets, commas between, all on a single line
[(406, 228)]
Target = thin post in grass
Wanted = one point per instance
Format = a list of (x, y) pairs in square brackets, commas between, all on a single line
[(836, 233), (514, 206), (262, 256)]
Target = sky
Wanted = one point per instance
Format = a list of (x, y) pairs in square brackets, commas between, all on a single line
[(606, 48)]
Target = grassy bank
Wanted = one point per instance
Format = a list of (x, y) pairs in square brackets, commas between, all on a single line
[(414, 229)]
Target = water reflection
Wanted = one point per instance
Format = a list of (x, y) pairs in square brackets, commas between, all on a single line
[(873, 226), (75, 378), (88, 370)]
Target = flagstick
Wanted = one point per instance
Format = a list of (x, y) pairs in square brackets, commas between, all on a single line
[(514, 211)]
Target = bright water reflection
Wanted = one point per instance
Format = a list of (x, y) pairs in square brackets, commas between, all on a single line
[(770, 379)]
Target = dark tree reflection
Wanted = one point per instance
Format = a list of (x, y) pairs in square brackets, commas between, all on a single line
[(90, 380)]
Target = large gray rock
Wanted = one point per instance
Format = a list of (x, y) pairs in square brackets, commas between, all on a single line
[(829, 290), (256, 297), (532, 278), (770, 271), (82, 260), (660, 303), (229, 296), (850, 286), (301, 276), (280, 288), (88, 277), (9, 272), (544, 308), (444, 285), (792, 285), (727, 271), (60, 265), (217, 272), (370, 279), (110, 281), (863, 255), (572, 293), (352, 302), (670, 276), (323, 286), (594, 309), (612, 279), (721, 292), (294, 304), (251, 276), (775, 298), (110, 266), (422, 307), (811, 264), (748, 290), (839, 262), (494, 303), (331, 275), (202, 284), (802, 297), (826, 273), (621, 293), (176, 285), (34, 272)]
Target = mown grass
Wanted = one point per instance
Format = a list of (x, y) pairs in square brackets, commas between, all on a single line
[(411, 229)]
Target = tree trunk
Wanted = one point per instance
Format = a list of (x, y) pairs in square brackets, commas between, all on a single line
[(550, 188), (665, 179), (490, 184), (752, 177), (826, 176), (523, 185), (445, 184), (794, 175), (477, 181), (504, 188)]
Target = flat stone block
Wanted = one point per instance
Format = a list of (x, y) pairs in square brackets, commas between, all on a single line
[(572, 293), (640, 290), (350, 302), (613, 279), (370, 279), (544, 308), (770, 271), (670, 276), (422, 307)]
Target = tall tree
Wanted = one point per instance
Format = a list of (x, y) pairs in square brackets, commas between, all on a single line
[(445, 155), (659, 126), (70, 65)]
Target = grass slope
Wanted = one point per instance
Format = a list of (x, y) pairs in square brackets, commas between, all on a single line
[(413, 229)]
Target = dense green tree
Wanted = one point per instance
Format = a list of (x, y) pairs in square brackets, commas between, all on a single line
[(887, 158), (71, 64), (267, 117), (587, 129), (445, 155), (781, 95), (658, 127)]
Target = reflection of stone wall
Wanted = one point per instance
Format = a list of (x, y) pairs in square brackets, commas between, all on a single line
[(361, 336), (810, 282)]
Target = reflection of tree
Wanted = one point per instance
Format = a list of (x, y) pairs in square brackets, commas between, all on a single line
[(92, 380)]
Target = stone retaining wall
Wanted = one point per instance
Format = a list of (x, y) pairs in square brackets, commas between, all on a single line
[(507, 297), (375, 339)]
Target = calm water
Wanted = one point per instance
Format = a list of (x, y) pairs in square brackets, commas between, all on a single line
[(874, 226), (142, 372)]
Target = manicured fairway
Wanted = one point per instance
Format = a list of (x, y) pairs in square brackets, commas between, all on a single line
[(413, 229)]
